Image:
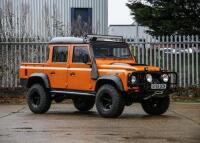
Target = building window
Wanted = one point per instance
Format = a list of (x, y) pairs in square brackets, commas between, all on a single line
[(81, 21), (60, 54)]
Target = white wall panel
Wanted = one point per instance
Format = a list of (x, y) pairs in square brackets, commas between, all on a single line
[(35, 23)]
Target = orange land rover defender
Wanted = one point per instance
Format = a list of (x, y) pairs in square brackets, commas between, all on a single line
[(96, 69)]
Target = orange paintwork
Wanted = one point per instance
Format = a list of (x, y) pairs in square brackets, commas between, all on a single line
[(77, 76)]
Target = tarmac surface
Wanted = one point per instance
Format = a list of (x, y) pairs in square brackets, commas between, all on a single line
[(64, 124)]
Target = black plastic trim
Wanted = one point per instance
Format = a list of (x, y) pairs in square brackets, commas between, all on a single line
[(113, 78), (43, 76), (72, 92), (23, 82)]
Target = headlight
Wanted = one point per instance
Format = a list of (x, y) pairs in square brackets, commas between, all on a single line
[(133, 79), (149, 77), (165, 77)]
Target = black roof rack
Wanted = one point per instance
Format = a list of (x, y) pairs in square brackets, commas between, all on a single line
[(104, 38)]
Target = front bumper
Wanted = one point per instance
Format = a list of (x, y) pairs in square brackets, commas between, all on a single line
[(143, 89)]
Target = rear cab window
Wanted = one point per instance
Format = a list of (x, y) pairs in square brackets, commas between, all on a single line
[(60, 54)]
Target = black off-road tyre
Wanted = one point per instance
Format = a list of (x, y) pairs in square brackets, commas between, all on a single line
[(39, 101), (109, 102), (156, 106), (84, 104)]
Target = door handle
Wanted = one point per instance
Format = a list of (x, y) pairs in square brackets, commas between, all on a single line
[(72, 74), (53, 72)]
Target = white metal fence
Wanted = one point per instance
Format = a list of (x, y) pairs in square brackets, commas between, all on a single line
[(174, 53), (12, 54)]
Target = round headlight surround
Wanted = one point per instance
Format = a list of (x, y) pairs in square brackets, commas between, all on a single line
[(149, 78), (165, 77), (133, 79)]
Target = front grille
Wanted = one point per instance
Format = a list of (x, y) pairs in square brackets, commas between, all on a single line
[(142, 82), (141, 77), (145, 87)]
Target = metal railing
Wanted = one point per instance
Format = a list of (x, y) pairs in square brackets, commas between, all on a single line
[(179, 54), (174, 53), (12, 54)]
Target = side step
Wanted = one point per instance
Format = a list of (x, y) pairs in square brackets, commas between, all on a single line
[(72, 92)]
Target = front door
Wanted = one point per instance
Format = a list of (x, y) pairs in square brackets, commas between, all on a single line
[(79, 73), (58, 69)]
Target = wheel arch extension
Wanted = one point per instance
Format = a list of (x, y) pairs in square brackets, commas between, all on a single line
[(40, 78), (109, 79)]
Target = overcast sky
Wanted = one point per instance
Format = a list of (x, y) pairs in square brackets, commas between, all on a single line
[(118, 12)]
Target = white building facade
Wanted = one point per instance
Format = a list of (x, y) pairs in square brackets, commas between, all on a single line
[(131, 33), (51, 18)]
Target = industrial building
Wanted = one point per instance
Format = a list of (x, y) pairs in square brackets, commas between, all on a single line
[(131, 33), (50, 18)]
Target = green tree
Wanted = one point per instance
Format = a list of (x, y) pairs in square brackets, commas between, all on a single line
[(167, 17)]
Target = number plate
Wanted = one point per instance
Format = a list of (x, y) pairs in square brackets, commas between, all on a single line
[(158, 86)]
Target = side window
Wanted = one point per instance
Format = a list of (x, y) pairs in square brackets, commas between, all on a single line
[(79, 54), (60, 54)]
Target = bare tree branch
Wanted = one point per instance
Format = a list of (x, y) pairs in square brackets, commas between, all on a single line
[(24, 15), (46, 17), (8, 10)]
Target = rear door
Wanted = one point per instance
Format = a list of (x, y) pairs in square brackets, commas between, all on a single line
[(58, 69), (79, 73)]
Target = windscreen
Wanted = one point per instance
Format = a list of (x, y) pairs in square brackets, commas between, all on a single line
[(111, 50)]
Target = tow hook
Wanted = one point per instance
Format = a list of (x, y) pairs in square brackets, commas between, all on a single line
[(152, 95)]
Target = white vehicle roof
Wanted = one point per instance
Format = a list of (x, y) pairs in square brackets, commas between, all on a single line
[(67, 40), (87, 39)]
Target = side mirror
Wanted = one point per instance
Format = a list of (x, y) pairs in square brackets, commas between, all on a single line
[(85, 58)]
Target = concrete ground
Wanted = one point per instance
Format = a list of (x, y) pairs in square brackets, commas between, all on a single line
[(63, 124)]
